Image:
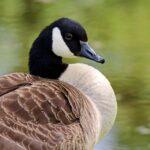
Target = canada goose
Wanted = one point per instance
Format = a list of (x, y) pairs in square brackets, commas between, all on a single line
[(57, 106)]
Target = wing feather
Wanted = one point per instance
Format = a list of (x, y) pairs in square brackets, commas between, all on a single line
[(41, 114)]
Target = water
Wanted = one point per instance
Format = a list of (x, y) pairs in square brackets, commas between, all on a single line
[(118, 30)]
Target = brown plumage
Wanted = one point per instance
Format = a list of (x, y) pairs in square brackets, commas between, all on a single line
[(43, 114)]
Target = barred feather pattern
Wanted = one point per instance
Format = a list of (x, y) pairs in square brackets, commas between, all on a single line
[(43, 114)]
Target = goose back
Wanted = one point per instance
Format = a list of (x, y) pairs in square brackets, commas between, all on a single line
[(37, 113)]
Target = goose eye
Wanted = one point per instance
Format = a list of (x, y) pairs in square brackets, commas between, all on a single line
[(68, 36)]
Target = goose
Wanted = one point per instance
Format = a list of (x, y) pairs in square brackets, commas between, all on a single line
[(56, 106)]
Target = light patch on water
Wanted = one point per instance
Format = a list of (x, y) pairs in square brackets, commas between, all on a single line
[(143, 130), (109, 142)]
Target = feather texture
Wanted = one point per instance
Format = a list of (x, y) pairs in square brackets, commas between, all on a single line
[(41, 114)]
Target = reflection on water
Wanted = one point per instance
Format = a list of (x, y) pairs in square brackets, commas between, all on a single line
[(109, 142), (117, 29)]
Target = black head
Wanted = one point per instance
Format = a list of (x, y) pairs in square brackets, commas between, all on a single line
[(70, 32), (69, 39)]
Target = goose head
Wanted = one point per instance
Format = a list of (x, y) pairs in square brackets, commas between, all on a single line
[(70, 39)]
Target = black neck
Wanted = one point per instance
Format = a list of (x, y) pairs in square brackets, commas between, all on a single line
[(42, 61)]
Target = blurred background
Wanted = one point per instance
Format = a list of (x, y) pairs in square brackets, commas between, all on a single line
[(119, 30)]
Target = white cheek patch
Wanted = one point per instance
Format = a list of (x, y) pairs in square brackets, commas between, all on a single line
[(59, 46)]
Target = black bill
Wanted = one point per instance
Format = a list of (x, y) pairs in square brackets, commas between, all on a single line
[(88, 52)]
